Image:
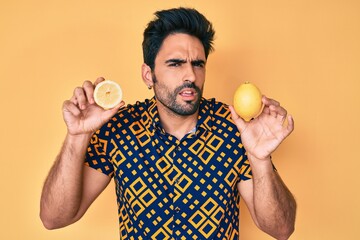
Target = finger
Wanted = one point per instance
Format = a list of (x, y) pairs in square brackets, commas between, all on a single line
[(74, 100), (99, 80), (111, 112), (268, 101), (273, 111), (266, 109), (239, 122), (89, 91), (120, 105), (278, 111), (69, 106), (290, 126), (80, 97)]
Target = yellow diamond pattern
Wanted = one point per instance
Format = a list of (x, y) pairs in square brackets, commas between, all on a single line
[(169, 188)]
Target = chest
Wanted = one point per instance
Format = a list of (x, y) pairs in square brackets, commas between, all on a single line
[(201, 164)]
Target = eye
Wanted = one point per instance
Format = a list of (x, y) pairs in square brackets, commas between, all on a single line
[(175, 64), (199, 64)]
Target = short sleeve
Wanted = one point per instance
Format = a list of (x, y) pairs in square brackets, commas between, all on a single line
[(245, 169), (97, 156)]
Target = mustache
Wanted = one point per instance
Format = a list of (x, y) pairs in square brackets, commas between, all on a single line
[(188, 85)]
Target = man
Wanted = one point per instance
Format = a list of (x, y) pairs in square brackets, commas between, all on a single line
[(180, 162)]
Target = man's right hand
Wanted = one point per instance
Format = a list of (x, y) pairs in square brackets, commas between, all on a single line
[(81, 114)]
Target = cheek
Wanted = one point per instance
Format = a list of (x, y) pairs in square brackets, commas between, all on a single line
[(200, 76), (200, 71), (166, 77), (162, 88)]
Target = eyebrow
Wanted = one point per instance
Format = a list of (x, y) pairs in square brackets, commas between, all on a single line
[(175, 60), (179, 60)]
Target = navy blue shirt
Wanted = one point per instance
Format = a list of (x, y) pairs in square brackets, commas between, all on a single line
[(169, 188)]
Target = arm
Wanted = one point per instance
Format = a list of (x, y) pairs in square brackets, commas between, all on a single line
[(270, 203), (272, 206), (71, 187)]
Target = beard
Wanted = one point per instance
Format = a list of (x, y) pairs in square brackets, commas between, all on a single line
[(169, 98)]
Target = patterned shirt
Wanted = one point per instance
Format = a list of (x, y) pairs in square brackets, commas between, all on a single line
[(169, 188)]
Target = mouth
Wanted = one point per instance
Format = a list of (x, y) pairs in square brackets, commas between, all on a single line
[(188, 94)]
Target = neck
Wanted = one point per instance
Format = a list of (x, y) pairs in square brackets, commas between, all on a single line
[(175, 124)]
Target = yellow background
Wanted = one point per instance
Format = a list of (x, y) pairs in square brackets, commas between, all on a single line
[(304, 53)]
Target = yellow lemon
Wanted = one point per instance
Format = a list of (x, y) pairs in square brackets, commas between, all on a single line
[(107, 94), (247, 101)]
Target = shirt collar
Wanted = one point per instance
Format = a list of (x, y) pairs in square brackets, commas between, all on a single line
[(205, 116)]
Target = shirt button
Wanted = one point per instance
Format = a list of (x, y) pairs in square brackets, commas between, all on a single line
[(179, 148), (177, 209)]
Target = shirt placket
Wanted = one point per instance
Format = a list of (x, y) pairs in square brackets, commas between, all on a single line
[(175, 204)]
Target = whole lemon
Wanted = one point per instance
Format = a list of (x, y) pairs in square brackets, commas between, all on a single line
[(247, 101)]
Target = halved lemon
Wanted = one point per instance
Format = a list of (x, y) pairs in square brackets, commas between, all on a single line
[(108, 94)]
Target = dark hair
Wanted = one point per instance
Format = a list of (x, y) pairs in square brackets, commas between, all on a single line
[(176, 20)]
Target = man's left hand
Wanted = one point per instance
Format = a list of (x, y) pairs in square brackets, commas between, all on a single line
[(262, 135)]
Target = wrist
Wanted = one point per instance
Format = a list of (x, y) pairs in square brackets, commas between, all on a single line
[(76, 145), (252, 157), (262, 166), (78, 138)]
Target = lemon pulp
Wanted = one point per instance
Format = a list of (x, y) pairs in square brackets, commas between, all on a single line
[(107, 94)]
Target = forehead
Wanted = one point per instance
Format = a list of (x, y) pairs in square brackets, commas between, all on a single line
[(180, 45)]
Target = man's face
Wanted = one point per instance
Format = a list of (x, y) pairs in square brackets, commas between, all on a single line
[(179, 74)]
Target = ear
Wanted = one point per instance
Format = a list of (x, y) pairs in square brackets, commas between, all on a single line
[(147, 75)]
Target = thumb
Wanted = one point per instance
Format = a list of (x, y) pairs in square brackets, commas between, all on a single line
[(111, 112), (239, 122)]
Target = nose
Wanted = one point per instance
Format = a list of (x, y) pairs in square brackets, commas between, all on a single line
[(190, 73)]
